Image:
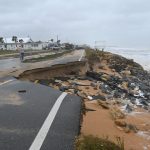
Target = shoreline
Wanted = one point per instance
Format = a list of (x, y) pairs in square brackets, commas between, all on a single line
[(137, 55)]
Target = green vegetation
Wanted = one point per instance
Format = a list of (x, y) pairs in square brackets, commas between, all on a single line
[(92, 55), (3, 52), (94, 143), (96, 55), (48, 57), (1, 40)]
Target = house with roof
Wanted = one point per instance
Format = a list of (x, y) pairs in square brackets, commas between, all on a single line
[(27, 44)]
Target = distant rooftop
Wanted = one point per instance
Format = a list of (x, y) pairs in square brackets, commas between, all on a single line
[(25, 40)]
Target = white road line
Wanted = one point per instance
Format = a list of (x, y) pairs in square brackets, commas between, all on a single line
[(39, 139), (81, 56), (6, 82)]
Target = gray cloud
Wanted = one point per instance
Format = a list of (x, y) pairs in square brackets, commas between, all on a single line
[(122, 23)]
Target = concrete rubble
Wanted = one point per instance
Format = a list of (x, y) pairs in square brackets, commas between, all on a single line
[(131, 92)]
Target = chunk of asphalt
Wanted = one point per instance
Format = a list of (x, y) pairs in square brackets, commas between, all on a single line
[(128, 108), (89, 109), (99, 97), (22, 91)]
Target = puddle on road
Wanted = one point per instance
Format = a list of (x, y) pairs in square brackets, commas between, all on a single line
[(9, 98)]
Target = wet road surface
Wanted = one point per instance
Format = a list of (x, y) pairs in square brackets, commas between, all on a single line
[(37, 117), (7, 66), (10, 63)]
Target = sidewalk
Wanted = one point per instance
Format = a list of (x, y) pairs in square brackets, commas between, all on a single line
[(42, 55), (27, 53)]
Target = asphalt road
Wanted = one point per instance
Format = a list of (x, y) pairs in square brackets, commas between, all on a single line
[(37, 117), (10, 63), (7, 66)]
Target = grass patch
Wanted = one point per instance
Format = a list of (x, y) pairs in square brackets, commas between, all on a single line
[(96, 55), (92, 55), (94, 143), (48, 57), (3, 52)]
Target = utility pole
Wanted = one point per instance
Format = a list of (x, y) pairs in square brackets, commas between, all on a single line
[(57, 37)]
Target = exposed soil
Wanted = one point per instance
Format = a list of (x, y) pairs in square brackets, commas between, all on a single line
[(73, 68), (100, 123)]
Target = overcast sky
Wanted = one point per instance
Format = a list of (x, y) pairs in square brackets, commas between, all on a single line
[(124, 23)]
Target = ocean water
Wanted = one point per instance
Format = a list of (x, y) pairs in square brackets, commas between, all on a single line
[(140, 56)]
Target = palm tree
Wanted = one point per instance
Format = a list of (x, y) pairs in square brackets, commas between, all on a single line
[(52, 40), (1, 40), (21, 41), (58, 42), (15, 39)]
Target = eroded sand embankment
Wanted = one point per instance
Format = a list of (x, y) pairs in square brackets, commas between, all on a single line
[(116, 93), (72, 68)]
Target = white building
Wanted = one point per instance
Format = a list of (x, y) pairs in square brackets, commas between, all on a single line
[(27, 43)]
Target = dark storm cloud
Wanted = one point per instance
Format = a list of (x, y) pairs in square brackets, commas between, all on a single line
[(119, 22)]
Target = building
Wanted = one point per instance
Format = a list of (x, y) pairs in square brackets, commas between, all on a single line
[(27, 43)]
